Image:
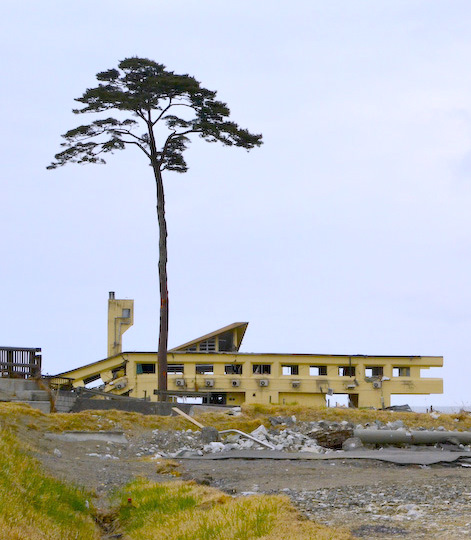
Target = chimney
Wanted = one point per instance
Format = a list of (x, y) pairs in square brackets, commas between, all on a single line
[(111, 295)]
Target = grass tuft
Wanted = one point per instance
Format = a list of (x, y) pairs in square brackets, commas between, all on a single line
[(36, 506), (187, 511)]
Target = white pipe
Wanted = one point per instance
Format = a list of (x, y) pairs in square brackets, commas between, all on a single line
[(400, 436), (267, 444)]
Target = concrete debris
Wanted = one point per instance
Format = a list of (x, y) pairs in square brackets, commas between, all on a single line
[(302, 438), (117, 437), (209, 435), (353, 443)]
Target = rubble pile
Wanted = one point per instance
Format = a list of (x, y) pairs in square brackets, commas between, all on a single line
[(285, 434)]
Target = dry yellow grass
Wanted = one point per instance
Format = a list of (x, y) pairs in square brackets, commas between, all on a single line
[(35, 506), (252, 416), (186, 511)]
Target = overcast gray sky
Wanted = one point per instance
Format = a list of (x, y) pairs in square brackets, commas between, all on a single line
[(348, 232)]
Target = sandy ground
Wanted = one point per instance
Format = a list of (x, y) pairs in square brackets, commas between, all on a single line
[(374, 499)]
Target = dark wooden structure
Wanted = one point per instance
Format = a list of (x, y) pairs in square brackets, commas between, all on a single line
[(20, 362)]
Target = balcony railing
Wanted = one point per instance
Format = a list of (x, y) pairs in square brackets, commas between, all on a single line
[(20, 362)]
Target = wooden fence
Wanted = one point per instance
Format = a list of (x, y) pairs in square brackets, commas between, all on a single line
[(20, 362)]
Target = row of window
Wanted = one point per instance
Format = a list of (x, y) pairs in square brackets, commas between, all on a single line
[(265, 369)]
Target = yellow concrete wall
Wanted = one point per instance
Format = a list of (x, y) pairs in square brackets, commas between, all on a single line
[(118, 323), (306, 390)]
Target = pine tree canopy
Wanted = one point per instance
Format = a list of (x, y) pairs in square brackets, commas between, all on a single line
[(153, 98)]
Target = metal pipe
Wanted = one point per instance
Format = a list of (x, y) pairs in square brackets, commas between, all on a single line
[(400, 436)]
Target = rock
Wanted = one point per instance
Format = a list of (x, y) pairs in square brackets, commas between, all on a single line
[(397, 424), (57, 452), (209, 435), (213, 447), (353, 443)]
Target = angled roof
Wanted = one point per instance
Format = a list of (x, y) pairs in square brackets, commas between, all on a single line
[(239, 327)]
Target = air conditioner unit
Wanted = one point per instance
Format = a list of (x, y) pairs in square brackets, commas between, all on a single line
[(263, 382), (377, 384), (235, 382), (179, 382), (296, 384), (209, 382)]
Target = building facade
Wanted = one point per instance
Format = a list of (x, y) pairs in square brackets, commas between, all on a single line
[(213, 369)]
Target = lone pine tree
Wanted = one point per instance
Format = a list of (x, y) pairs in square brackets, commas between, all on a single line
[(154, 98)]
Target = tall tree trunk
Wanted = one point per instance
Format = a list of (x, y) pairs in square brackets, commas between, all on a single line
[(163, 329)]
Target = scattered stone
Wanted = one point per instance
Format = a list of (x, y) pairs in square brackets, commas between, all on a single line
[(209, 435), (57, 452), (353, 443)]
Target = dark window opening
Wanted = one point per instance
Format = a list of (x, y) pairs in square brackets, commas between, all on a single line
[(215, 399), (191, 349), (226, 342), (145, 368), (126, 313), (91, 379), (204, 369), (318, 371), (347, 371), (261, 369), (374, 371), (175, 368), (233, 369)]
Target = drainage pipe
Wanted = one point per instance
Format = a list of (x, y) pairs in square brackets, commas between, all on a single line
[(401, 436)]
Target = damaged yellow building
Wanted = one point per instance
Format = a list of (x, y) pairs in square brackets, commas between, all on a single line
[(212, 368)]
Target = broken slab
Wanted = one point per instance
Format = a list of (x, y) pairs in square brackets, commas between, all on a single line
[(391, 455), (78, 436)]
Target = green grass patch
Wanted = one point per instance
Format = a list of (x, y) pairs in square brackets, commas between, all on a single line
[(187, 511), (35, 506)]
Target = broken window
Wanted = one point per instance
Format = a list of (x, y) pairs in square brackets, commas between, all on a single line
[(401, 372), (261, 369), (318, 371), (204, 369), (347, 371), (177, 369), (208, 345), (119, 371), (93, 381), (233, 369), (145, 368), (374, 371), (290, 369), (226, 342)]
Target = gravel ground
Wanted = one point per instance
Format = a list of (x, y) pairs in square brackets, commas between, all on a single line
[(374, 499)]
